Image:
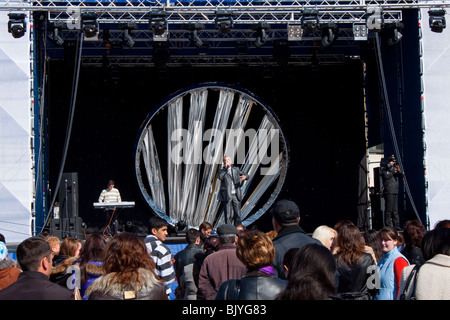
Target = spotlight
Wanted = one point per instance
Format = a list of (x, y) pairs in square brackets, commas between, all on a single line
[(310, 20), (396, 35), (54, 35), (193, 37), (158, 24), (262, 36), (437, 20), (360, 31), (295, 32), (16, 24), (224, 21), (89, 24), (329, 33), (126, 36)]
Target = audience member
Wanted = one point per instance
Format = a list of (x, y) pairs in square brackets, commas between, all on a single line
[(210, 246), (372, 240), (159, 252), (129, 272), (91, 261), (256, 251), (285, 220), (312, 276), (34, 256), (184, 266), (8, 270), (222, 265), (288, 260), (353, 265), (54, 243), (390, 267), (69, 253), (205, 231), (413, 232), (432, 280), (442, 224), (326, 236)]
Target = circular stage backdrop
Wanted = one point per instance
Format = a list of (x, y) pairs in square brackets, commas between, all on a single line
[(182, 143)]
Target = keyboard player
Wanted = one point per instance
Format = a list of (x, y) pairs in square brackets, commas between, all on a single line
[(110, 194)]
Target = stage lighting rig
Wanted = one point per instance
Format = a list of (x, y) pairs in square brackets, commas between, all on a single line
[(437, 20), (158, 25), (126, 36), (224, 21), (55, 27), (16, 24), (360, 31), (329, 33), (89, 24), (193, 37), (262, 36), (396, 34), (310, 20)]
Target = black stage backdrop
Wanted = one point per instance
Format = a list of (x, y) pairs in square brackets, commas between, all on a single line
[(320, 108)]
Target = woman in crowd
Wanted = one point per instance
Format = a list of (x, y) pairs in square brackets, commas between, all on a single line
[(312, 275), (326, 235), (372, 240), (390, 267), (354, 265), (129, 272), (433, 277), (69, 253), (413, 232), (256, 251), (91, 261)]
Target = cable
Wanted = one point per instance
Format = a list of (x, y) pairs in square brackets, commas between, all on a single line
[(390, 122), (69, 126)]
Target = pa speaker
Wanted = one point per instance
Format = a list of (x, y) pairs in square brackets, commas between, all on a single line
[(68, 195)]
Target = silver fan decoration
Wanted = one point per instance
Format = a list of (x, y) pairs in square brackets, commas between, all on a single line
[(183, 141)]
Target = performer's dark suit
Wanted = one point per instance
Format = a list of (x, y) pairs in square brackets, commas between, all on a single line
[(230, 193)]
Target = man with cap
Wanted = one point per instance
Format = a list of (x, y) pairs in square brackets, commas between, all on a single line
[(285, 221), (221, 265), (390, 175)]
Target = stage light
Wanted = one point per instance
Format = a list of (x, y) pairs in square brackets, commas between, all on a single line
[(262, 36), (360, 32), (16, 24), (329, 33), (396, 34), (193, 37), (54, 35), (295, 32), (224, 21), (89, 24), (310, 20), (437, 20), (126, 36), (158, 25)]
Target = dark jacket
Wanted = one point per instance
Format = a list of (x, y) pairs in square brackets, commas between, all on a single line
[(227, 181), (255, 285), (184, 262), (146, 287), (288, 238), (34, 285), (390, 179), (219, 267), (353, 279)]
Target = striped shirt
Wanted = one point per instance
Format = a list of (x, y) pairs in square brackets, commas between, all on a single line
[(112, 195), (162, 257)]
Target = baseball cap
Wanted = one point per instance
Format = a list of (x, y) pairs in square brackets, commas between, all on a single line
[(285, 211), (3, 251), (226, 229)]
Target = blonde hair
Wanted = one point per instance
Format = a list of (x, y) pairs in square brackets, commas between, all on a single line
[(323, 233)]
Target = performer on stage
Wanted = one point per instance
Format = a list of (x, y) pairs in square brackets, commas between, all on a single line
[(390, 175), (110, 194), (230, 193)]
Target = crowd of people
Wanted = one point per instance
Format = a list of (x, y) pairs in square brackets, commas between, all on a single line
[(233, 263)]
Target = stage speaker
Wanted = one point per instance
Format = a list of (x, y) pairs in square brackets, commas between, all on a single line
[(63, 228), (68, 195)]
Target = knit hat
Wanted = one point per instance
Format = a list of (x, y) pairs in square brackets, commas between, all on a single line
[(226, 229), (285, 211), (3, 251)]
